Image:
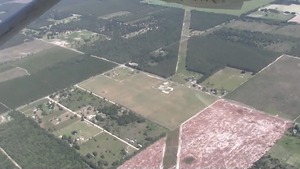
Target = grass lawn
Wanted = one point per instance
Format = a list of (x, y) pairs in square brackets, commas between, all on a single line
[(275, 90), (170, 157), (139, 94), (288, 150), (248, 6), (107, 147), (227, 79), (83, 129)]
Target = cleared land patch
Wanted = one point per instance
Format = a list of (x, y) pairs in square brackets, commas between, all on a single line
[(140, 94), (151, 157), (228, 135), (23, 50), (226, 80), (12, 74), (275, 90)]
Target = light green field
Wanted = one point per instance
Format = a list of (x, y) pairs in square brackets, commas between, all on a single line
[(138, 94), (106, 146), (83, 129), (288, 150), (248, 6), (227, 78), (269, 15), (120, 73)]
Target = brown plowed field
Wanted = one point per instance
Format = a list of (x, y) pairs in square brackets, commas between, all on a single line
[(227, 135)]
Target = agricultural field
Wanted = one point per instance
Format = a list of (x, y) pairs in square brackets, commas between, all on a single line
[(152, 97), (22, 50), (47, 69), (5, 162), (151, 157), (115, 119), (247, 6), (105, 150), (274, 90), (226, 80), (25, 141), (228, 135)]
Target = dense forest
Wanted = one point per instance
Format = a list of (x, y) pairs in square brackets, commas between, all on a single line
[(32, 147), (204, 20)]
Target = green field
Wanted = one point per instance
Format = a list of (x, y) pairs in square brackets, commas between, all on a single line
[(248, 6), (287, 150), (5, 162), (108, 149), (83, 129), (226, 79), (50, 70), (32, 147), (140, 93), (274, 90), (120, 73)]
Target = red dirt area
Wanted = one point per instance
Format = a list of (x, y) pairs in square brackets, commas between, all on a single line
[(228, 135), (150, 158)]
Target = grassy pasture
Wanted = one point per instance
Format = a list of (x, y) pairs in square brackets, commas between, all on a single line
[(107, 147), (227, 79), (50, 71), (82, 128), (288, 150), (275, 90), (138, 94)]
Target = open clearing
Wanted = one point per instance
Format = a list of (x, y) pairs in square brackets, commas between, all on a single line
[(170, 155), (115, 14), (23, 50), (84, 131), (275, 90), (226, 79), (228, 135), (163, 102), (108, 149), (151, 157), (247, 6), (12, 74)]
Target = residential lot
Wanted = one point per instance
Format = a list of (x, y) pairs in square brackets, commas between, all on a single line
[(275, 90), (228, 135), (161, 101)]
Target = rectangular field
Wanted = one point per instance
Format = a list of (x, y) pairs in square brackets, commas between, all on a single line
[(109, 150), (82, 130), (164, 102), (226, 79), (228, 135), (275, 90), (12, 74)]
